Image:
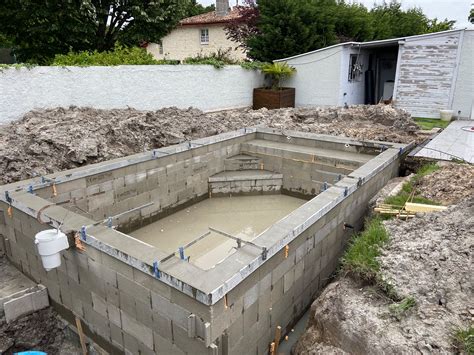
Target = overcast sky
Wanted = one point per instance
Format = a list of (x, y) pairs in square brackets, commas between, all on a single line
[(451, 9)]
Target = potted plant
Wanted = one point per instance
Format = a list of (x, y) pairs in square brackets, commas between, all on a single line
[(275, 96)]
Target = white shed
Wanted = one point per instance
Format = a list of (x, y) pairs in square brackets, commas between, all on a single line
[(422, 74)]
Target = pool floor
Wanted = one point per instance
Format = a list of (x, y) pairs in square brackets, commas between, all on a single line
[(243, 216)]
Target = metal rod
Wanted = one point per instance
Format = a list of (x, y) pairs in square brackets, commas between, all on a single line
[(119, 215), (237, 239), (186, 246)]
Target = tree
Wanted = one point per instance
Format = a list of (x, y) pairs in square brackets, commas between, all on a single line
[(390, 21), (41, 29), (353, 22), (242, 28), (290, 27), (193, 9)]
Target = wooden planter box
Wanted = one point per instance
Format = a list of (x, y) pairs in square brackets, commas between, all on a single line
[(272, 99)]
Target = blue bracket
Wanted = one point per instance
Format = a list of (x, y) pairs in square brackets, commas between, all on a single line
[(346, 191), (156, 269), (181, 253), (384, 148), (400, 151), (7, 197), (83, 233), (30, 189), (109, 222)]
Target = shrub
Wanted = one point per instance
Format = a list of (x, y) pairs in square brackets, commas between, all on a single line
[(119, 56), (218, 59), (277, 72)]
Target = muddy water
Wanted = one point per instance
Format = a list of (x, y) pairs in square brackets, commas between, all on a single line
[(245, 217)]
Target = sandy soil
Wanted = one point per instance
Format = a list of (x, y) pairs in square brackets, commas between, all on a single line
[(450, 184), (46, 141), (428, 258)]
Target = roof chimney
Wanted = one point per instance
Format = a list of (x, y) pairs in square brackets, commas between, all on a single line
[(222, 7)]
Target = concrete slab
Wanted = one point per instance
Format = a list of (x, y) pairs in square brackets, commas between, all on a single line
[(455, 142)]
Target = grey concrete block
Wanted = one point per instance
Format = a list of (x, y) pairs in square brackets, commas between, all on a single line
[(165, 346), (31, 301), (137, 330), (99, 304), (113, 313), (134, 289)]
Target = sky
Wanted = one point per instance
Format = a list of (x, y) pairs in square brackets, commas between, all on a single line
[(451, 9)]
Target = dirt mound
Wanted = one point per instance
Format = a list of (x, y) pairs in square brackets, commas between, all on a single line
[(448, 185), (45, 141), (428, 258), (40, 330)]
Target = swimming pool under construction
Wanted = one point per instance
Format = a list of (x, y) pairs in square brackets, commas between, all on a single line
[(205, 247)]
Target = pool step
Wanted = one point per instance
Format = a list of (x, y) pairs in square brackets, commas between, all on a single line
[(245, 182), (242, 162)]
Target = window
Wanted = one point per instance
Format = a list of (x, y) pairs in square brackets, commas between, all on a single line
[(204, 36)]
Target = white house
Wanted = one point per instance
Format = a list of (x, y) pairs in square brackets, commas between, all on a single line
[(422, 74), (200, 35)]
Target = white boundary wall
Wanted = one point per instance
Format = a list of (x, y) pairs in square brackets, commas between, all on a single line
[(144, 87)]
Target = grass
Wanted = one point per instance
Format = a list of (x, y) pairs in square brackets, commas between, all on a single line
[(464, 339), (407, 189), (399, 309), (360, 258), (430, 123)]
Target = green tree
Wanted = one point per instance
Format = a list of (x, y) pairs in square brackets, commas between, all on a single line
[(41, 29), (353, 22), (193, 9), (290, 27), (390, 21)]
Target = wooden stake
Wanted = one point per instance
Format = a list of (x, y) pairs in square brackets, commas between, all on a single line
[(81, 336), (272, 348), (277, 338)]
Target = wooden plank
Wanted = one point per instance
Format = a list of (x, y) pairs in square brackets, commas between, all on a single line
[(419, 207), (277, 338), (81, 336)]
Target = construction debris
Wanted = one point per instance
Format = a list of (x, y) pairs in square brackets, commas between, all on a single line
[(45, 141)]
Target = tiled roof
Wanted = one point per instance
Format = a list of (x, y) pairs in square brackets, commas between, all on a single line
[(210, 18)]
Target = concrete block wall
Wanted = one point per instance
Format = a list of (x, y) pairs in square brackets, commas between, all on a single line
[(168, 182), (122, 308), (279, 292), (125, 309), (248, 184)]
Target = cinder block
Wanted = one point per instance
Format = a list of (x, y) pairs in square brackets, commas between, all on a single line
[(113, 313), (116, 336), (165, 346), (99, 304), (130, 344), (288, 280), (137, 330), (134, 289), (144, 313), (32, 301), (162, 325)]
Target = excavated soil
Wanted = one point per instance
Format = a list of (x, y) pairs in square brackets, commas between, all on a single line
[(40, 330), (46, 141), (450, 184), (428, 258)]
